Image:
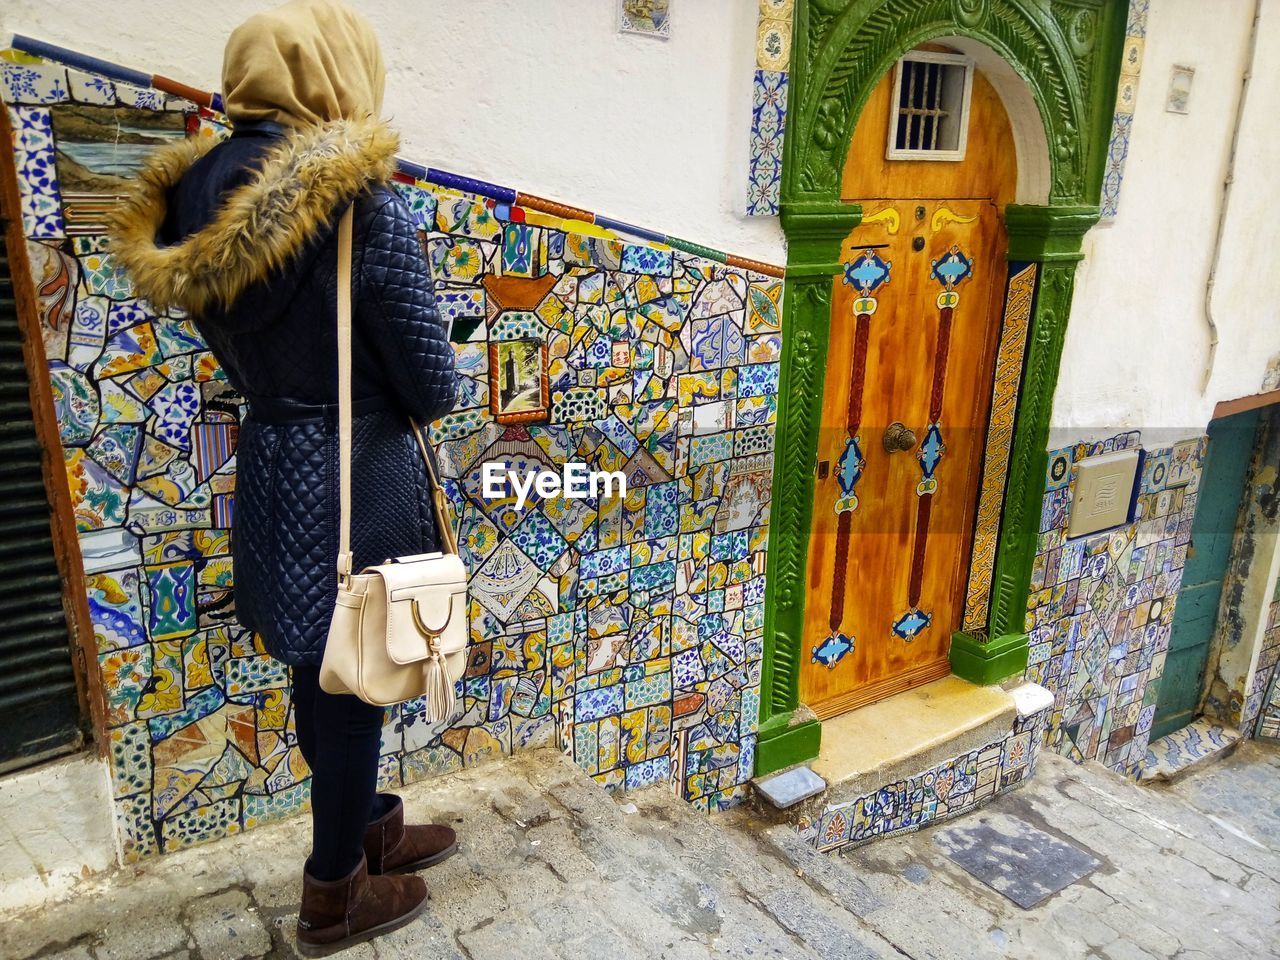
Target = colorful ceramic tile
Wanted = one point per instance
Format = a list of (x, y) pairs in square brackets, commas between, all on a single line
[(768, 127), (90, 88), (999, 443), (98, 498), (773, 43), (76, 404), (954, 786), (172, 607), (421, 202), (32, 83), (102, 276), (55, 275), (523, 251), (1183, 749), (88, 332), (37, 174), (648, 260), (115, 449)]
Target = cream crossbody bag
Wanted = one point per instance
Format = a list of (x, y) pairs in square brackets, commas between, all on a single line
[(399, 629)]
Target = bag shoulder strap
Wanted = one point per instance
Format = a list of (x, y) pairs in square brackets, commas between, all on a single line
[(344, 393), (448, 541), (443, 527)]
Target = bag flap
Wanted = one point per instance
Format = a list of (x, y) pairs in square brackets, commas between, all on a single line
[(426, 605), (412, 573)]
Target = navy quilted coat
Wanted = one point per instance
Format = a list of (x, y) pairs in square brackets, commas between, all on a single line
[(276, 340)]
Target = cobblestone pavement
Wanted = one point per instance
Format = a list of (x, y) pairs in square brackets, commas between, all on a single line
[(553, 867)]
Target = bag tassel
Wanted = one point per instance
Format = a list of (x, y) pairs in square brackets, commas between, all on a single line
[(440, 697)]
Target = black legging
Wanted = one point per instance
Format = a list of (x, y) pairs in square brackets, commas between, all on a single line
[(339, 735)]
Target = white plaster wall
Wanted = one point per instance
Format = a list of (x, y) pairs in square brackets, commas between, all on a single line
[(55, 829), (541, 95), (1138, 342), (547, 96)]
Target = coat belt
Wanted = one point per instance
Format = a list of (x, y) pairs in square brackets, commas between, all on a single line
[(281, 410)]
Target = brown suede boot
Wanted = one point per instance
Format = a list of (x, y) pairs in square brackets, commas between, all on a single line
[(391, 847), (339, 913)]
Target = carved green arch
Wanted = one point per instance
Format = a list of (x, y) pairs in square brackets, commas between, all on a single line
[(843, 48), (1067, 52)]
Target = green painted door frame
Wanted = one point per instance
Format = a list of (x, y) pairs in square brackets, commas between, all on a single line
[(1068, 54), (1222, 487)]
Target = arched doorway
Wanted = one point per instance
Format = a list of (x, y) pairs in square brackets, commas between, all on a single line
[(1054, 66), (915, 325)]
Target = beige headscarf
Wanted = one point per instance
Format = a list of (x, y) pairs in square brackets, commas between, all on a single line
[(307, 62)]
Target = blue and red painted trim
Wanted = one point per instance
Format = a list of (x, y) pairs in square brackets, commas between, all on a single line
[(413, 172)]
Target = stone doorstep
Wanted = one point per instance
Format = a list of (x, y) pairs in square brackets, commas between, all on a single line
[(1201, 742), (896, 738)]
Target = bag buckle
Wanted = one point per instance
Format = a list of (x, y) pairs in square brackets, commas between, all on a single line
[(344, 563), (431, 633)]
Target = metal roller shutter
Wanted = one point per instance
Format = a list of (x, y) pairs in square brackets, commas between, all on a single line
[(39, 706)]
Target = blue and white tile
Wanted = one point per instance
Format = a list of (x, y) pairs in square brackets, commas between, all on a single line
[(1176, 753), (37, 173), (32, 83), (768, 126)]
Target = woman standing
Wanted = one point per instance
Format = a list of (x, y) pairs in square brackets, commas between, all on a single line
[(242, 236)]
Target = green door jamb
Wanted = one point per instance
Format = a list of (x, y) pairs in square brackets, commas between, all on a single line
[(1051, 237), (814, 234)]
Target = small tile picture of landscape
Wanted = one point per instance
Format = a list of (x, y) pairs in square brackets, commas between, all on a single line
[(99, 151), (519, 391)]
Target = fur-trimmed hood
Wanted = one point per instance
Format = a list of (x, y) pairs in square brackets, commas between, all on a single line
[(304, 178)]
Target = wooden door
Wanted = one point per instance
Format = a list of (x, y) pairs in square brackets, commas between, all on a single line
[(908, 386), (1196, 615)]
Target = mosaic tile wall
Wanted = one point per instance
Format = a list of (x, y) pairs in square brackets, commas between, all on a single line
[(947, 790), (628, 631), (769, 107), (1101, 607), (1126, 100)]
